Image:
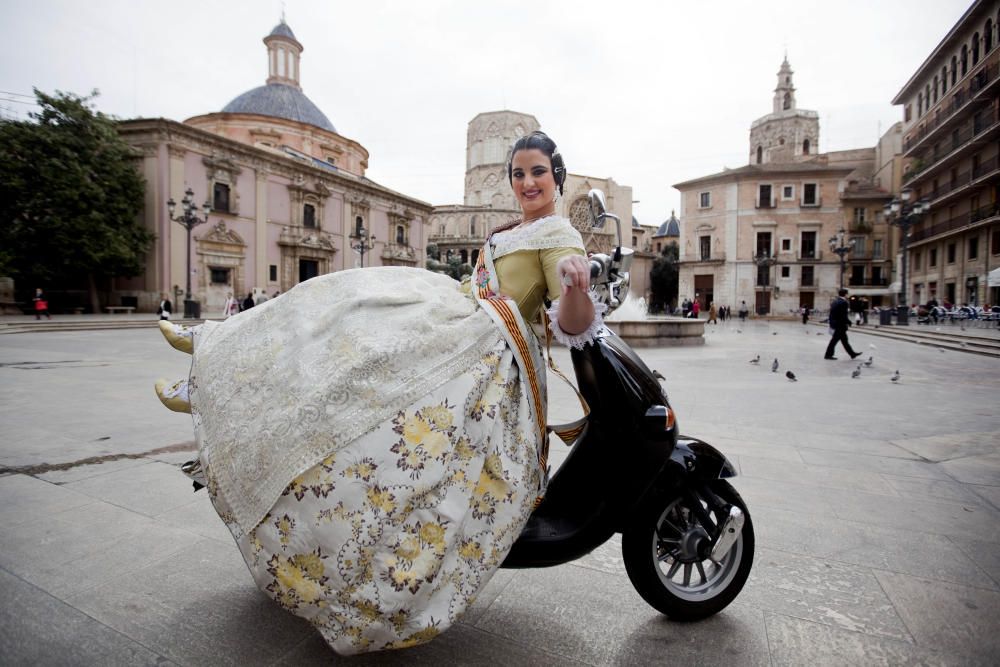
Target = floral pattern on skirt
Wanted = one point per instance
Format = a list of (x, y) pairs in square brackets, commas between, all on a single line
[(385, 543)]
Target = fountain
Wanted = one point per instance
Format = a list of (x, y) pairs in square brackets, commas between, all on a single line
[(640, 329)]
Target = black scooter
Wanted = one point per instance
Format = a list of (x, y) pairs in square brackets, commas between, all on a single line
[(687, 538)]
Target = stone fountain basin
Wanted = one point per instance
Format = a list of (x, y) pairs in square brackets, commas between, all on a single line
[(660, 331)]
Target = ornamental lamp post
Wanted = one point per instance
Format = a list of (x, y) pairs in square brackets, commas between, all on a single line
[(900, 213), (365, 244), (840, 247), (189, 220)]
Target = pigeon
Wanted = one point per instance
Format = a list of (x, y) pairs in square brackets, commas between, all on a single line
[(856, 373), (871, 360), (774, 366), (791, 376), (755, 360), (658, 375), (895, 377), (774, 333)]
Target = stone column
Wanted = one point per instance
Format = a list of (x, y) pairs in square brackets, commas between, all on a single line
[(260, 236)]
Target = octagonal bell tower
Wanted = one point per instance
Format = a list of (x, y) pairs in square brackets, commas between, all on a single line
[(490, 137)]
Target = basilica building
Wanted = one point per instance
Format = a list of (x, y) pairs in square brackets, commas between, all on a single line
[(764, 233), (288, 195)]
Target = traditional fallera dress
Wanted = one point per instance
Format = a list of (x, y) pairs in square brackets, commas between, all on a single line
[(375, 439)]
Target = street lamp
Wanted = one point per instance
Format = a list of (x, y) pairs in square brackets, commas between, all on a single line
[(365, 244), (840, 247), (188, 220), (900, 213)]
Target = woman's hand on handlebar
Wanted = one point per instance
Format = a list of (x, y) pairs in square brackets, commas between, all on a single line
[(573, 271)]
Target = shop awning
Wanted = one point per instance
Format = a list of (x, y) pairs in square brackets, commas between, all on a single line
[(993, 278)]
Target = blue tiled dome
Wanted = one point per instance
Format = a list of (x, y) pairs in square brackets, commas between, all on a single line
[(671, 227), (280, 101), (283, 30)]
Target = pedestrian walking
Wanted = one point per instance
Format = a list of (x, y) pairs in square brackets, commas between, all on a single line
[(232, 306), (166, 308), (840, 320), (247, 302), (41, 304), (713, 313), (743, 311), (805, 314)]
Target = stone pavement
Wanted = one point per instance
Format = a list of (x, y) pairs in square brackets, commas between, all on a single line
[(876, 507)]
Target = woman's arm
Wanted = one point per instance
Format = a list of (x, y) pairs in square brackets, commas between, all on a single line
[(576, 309)]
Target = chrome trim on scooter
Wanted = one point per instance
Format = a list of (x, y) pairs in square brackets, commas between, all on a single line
[(731, 530)]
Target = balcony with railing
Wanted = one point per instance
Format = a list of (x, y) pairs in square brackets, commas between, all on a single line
[(983, 128), (949, 111), (983, 213), (964, 182), (868, 281), (708, 258), (809, 256)]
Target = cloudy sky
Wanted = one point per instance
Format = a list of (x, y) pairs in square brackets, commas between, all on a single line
[(650, 93)]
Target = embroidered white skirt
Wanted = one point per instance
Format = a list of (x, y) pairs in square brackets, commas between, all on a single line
[(384, 538)]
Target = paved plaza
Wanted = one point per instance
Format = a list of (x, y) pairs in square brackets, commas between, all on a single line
[(876, 507)]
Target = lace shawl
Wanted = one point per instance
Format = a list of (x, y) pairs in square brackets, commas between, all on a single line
[(551, 231)]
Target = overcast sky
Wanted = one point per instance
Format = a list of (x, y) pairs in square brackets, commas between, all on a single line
[(649, 93)]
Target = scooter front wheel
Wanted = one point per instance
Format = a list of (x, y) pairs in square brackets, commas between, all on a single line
[(668, 551)]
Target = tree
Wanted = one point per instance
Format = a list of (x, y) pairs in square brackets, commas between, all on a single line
[(70, 196), (663, 279)]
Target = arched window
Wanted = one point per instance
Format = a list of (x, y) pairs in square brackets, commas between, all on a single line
[(927, 96), (988, 36), (920, 104), (944, 80), (965, 59), (465, 257), (954, 69), (359, 225), (472, 227), (400, 235), (309, 216), (805, 147), (975, 49), (788, 102), (760, 154), (935, 88)]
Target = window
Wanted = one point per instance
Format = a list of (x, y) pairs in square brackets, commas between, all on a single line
[(441, 229), (995, 243), (273, 273), (764, 196), (309, 216), (808, 245), (954, 70), (400, 235), (786, 245), (877, 275), (975, 48), (807, 276), (944, 80), (988, 35), (932, 258), (764, 244), (332, 160), (810, 194), (220, 198), (359, 225), (935, 89), (859, 216), (786, 271), (763, 276), (949, 292), (920, 104), (857, 274), (472, 227), (219, 276), (857, 244), (916, 260), (965, 62), (877, 248), (951, 253), (805, 147), (907, 113), (787, 192), (705, 200), (705, 247), (760, 154), (973, 244)]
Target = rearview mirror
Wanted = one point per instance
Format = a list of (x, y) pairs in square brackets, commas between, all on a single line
[(598, 207)]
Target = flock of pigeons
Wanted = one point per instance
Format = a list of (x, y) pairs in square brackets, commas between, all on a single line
[(855, 374)]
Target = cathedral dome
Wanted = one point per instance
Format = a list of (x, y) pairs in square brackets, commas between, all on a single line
[(671, 227), (280, 101)]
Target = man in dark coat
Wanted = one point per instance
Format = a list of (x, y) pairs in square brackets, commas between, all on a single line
[(839, 321)]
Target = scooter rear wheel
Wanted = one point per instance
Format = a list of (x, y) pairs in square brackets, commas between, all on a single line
[(666, 553)]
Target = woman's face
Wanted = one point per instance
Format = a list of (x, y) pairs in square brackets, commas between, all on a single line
[(533, 182)]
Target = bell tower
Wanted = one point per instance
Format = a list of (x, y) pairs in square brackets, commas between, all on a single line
[(787, 134)]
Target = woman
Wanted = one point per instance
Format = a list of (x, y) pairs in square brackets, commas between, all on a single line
[(375, 439)]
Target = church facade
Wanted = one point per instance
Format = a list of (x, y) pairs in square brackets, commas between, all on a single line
[(288, 195)]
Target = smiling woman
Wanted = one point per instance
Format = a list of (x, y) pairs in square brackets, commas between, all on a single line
[(375, 439)]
